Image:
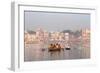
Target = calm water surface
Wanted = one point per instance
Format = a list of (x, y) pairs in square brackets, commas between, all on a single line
[(34, 52)]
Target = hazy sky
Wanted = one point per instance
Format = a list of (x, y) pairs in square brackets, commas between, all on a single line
[(51, 21)]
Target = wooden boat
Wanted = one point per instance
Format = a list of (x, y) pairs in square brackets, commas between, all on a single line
[(54, 47)]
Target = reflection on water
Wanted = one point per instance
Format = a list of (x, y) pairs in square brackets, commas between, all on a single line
[(33, 52)]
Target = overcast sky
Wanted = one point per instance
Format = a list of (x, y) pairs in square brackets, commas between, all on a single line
[(51, 21)]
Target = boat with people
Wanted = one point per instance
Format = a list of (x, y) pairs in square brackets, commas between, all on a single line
[(54, 47), (57, 47)]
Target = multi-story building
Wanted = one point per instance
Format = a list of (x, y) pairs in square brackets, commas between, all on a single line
[(30, 38), (40, 35), (46, 36), (86, 43), (26, 37), (66, 37)]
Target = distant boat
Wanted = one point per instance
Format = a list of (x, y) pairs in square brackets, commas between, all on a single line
[(67, 48), (43, 49)]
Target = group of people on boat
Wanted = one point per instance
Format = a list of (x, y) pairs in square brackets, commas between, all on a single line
[(54, 47), (57, 47)]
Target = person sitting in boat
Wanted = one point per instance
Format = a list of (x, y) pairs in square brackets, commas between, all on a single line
[(58, 46), (51, 46)]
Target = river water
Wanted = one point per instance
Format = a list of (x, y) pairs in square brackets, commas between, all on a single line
[(33, 52)]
